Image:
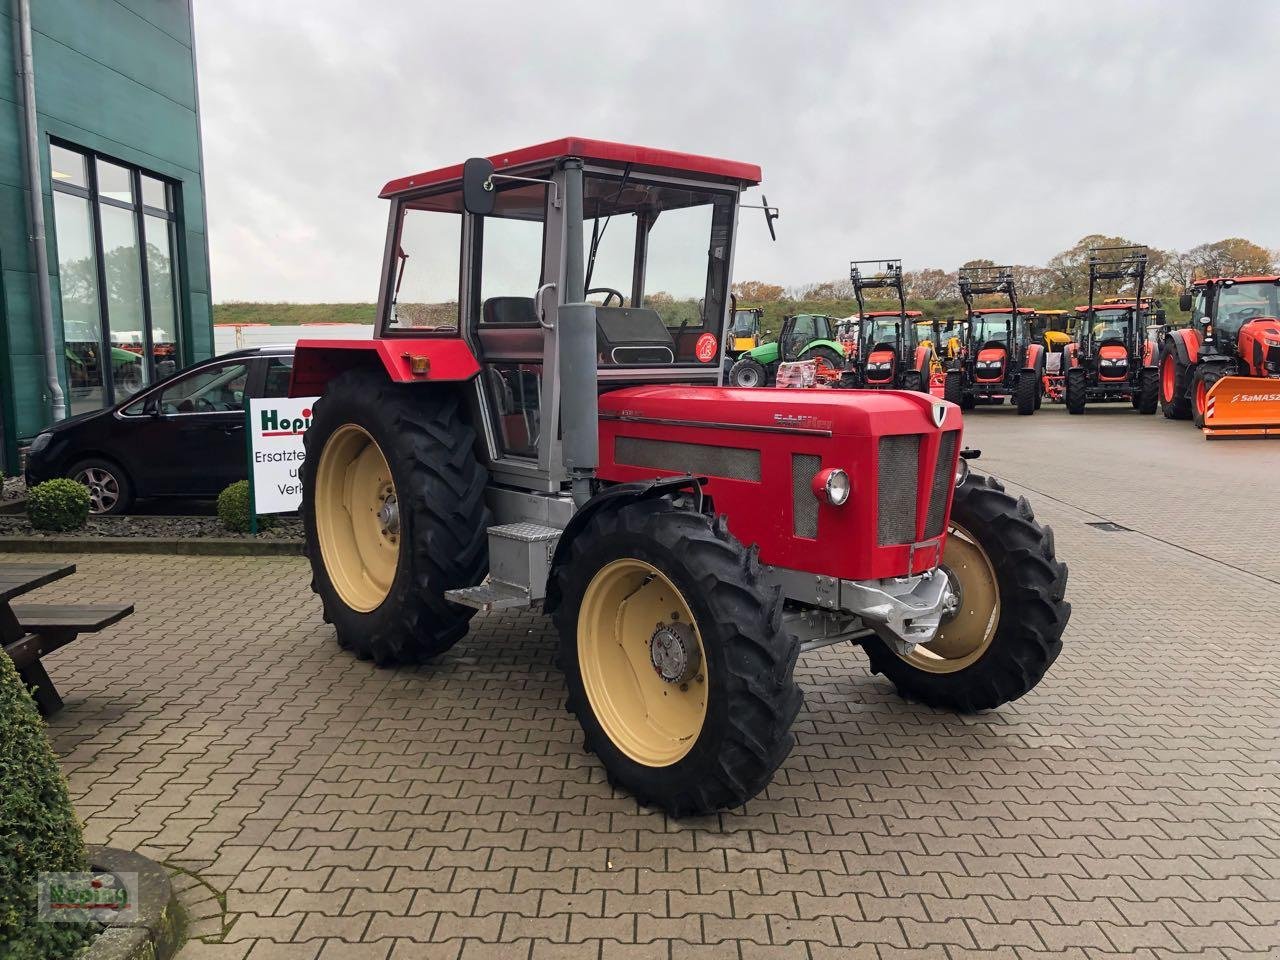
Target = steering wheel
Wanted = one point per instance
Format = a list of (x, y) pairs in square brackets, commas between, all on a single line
[(202, 404), (609, 293), (1246, 313)]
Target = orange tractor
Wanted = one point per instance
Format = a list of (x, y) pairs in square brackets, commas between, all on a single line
[(1112, 359), (1223, 372), (539, 421), (891, 354), (998, 354)]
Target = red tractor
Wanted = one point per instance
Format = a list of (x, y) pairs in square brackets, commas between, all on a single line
[(1223, 371), (504, 441), (1112, 358), (998, 354), (889, 354)]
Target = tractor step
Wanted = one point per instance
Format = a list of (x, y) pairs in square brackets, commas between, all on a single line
[(519, 563), (490, 595)]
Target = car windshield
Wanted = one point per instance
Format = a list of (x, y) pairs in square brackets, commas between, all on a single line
[(1240, 302), (990, 328)]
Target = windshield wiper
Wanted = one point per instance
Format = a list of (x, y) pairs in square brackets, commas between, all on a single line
[(597, 231)]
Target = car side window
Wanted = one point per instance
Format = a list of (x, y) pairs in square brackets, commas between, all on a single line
[(279, 372), (215, 389)]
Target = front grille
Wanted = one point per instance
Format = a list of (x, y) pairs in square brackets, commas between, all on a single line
[(804, 504), (898, 489), (942, 479), (732, 463)]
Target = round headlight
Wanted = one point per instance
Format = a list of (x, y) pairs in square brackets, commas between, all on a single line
[(837, 487)]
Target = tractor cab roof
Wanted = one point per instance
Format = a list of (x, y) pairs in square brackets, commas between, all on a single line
[(911, 314), (1206, 281), (603, 152), (1024, 310), (1052, 313)]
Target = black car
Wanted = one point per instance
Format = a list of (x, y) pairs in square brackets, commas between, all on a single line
[(181, 437)]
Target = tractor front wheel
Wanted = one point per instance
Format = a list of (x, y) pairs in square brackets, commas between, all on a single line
[(394, 514), (1024, 394), (953, 389), (748, 373), (1205, 377), (1074, 392), (674, 657), (1147, 398), (1006, 628), (1175, 385)]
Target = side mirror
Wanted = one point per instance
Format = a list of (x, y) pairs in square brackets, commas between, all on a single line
[(1184, 303), (478, 195)]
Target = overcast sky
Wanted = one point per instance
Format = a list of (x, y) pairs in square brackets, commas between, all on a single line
[(934, 132)]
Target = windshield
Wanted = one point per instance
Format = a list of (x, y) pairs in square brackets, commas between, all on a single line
[(1110, 324), (1244, 301), (990, 327), (744, 322), (883, 330)]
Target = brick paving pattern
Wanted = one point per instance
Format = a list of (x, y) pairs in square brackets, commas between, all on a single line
[(315, 806)]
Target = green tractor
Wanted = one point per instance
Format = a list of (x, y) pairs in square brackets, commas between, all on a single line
[(805, 336)]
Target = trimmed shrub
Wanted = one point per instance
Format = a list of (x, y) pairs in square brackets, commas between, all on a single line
[(58, 505), (39, 831), (234, 507)]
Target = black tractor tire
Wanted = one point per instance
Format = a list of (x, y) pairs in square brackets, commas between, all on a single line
[(439, 485), (110, 489), (1024, 394), (747, 372), (1205, 377), (752, 696), (1175, 384), (828, 356), (1074, 390), (1147, 398), (911, 381), (953, 389), (924, 374), (1033, 613)]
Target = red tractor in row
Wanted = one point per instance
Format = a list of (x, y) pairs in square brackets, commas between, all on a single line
[(1111, 358), (998, 354), (1223, 371), (505, 442), (890, 353)]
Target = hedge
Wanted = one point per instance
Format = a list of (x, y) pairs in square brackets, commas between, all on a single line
[(58, 505)]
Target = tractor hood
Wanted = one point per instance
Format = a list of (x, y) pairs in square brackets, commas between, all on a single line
[(828, 412)]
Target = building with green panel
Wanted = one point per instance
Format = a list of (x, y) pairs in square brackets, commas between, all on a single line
[(117, 134)]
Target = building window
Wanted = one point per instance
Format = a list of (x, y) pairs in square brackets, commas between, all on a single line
[(116, 240)]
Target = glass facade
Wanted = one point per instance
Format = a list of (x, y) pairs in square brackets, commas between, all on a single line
[(114, 227)]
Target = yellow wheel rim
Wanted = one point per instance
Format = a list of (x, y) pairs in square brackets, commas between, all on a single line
[(642, 662), (964, 635), (357, 518)]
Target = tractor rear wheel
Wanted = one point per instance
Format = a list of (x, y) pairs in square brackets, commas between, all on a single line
[(1024, 394), (1006, 629), (1175, 384), (1074, 393), (674, 657), (394, 513), (1147, 398), (911, 381), (748, 373), (826, 358)]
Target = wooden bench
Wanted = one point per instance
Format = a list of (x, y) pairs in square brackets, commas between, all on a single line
[(30, 631)]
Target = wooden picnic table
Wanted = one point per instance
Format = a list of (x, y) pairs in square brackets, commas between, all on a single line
[(28, 632)]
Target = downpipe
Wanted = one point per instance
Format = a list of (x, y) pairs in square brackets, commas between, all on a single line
[(25, 71)]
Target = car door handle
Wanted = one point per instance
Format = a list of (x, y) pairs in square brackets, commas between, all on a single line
[(233, 428)]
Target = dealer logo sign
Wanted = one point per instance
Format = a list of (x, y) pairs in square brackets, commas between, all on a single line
[(274, 425), (87, 897)]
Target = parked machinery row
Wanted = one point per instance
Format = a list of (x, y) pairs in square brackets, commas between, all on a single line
[(1222, 371)]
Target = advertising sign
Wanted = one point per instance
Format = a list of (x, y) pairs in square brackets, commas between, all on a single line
[(275, 429)]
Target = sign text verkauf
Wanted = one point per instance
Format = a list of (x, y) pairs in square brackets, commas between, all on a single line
[(276, 426)]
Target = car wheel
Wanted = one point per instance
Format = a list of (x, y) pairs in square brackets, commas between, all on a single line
[(109, 488)]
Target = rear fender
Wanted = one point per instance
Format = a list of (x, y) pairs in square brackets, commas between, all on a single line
[(922, 359), (611, 498), (1035, 358), (1186, 344), (316, 362), (837, 348)]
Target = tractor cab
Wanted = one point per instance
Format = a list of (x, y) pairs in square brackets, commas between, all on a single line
[(745, 330)]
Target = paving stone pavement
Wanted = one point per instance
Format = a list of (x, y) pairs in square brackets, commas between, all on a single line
[(318, 807)]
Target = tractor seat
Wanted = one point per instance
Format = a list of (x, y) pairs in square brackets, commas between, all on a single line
[(633, 335), (509, 310)]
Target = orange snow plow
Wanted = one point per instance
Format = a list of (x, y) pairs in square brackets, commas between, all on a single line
[(1242, 407)]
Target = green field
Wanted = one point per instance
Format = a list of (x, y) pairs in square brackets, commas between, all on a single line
[(288, 314)]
